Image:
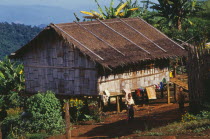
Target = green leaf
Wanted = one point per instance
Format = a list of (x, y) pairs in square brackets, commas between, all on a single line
[(2, 75)]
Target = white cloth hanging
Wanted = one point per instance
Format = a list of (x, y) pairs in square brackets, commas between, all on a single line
[(105, 97)]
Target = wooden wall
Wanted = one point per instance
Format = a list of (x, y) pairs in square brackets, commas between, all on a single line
[(133, 80), (57, 66)]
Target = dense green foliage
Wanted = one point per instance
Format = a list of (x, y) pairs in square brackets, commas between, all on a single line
[(174, 12), (42, 117), (11, 83), (44, 113), (194, 26), (13, 36)]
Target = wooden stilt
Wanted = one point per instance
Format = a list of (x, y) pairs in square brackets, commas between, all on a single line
[(175, 86), (100, 105), (118, 104), (175, 93), (67, 119), (109, 103), (168, 91)]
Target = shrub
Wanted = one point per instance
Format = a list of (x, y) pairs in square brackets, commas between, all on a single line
[(188, 117), (10, 124), (44, 113), (76, 107), (94, 111), (204, 115), (42, 117)]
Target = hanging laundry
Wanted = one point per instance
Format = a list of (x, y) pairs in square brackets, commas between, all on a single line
[(171, 74), (161, 85), (138, 92), (105, 97), (151, 93)]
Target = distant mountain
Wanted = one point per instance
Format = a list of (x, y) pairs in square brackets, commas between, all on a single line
[(35, 14), (13, 36)]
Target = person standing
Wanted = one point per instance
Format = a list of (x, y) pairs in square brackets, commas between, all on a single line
[(130, 104), (181, 98)]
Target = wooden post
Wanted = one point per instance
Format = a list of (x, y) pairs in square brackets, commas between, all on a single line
[(168, 91), (100, 103), (120, 101), (175, 86), (118, 104), (109, 103), (67, 119)]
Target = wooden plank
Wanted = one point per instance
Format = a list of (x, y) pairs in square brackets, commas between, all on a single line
[(179, 83), (131, 77), (58, 67)]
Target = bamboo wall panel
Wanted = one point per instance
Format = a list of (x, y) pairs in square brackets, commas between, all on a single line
[(59, 67)]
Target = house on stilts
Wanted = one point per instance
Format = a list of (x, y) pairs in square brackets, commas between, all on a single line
[(86, 58)]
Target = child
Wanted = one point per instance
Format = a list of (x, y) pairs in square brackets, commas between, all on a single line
[(130, 103)]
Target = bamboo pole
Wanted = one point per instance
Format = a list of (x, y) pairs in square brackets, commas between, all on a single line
[(67, 119)]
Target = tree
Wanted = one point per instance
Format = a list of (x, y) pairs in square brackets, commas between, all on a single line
[(122, 10), (13, 36), (174, 12)]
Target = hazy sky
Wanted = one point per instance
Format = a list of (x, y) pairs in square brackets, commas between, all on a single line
[(68, 4), (23, 12)]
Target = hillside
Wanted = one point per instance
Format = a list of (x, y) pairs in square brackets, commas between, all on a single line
[(13, 36)]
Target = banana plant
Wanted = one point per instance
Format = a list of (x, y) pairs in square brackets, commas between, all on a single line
[(122, 10), (11, 82)]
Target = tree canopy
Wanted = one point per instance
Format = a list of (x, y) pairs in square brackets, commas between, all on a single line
[(13, 36)]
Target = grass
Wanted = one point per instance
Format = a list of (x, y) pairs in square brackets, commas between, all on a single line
[(178, 128)]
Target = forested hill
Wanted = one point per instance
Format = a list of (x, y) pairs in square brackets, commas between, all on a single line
[(13, 36)]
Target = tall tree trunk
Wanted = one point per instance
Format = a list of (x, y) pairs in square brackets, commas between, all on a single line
[(195, 79)]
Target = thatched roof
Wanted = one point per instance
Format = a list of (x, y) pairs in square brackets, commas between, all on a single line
[(116, 42)]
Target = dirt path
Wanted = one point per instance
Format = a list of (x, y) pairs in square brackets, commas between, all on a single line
[(115, 125)]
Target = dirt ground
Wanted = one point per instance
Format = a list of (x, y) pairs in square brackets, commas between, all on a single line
[(147, 117)]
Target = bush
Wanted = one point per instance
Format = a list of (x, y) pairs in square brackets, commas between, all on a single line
[(44, 114), (42, 117), (10, 124), (95, 113), (188, 117), (76, 109)]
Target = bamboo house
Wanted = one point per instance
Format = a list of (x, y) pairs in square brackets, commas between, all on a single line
[(86, 58)]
